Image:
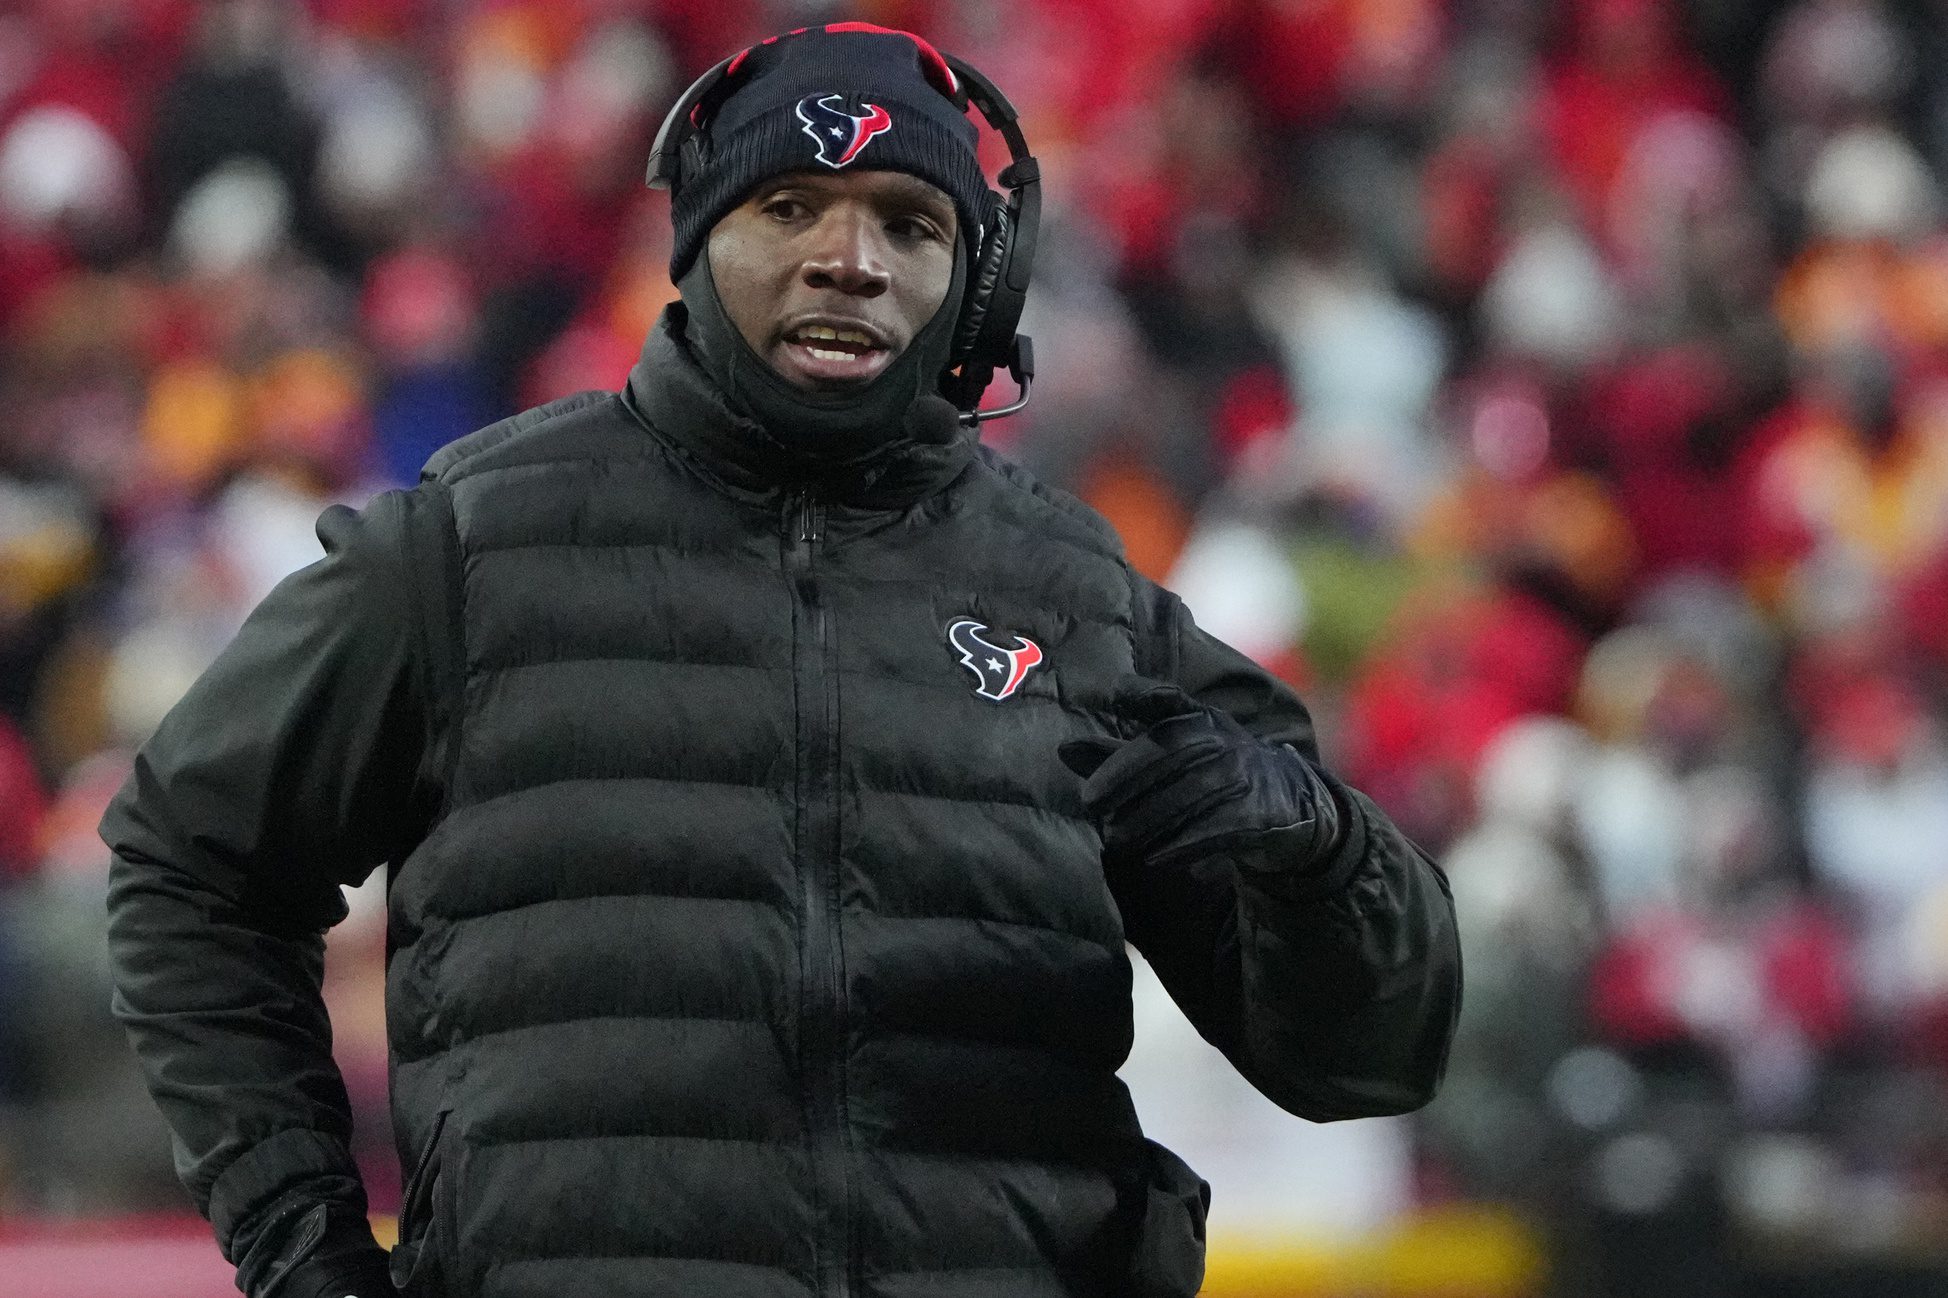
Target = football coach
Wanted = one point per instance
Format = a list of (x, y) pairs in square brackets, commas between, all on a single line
[(771, 776)]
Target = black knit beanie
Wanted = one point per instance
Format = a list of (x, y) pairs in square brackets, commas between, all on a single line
[(849, 95)]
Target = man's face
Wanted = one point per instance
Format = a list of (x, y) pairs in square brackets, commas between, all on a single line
[(829, 277)]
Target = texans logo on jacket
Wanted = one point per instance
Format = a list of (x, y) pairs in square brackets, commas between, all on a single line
[(838, 133), (999, 670)]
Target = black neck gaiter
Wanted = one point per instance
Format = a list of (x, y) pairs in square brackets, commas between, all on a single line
[(816, 427)]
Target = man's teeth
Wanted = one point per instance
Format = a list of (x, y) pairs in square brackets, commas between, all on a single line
[(836, 335), (825, 355)]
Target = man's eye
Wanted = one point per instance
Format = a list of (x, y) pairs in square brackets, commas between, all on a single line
[(913, 227), (785, 209)]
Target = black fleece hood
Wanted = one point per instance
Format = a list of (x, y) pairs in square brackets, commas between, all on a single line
[(670, 390), (814, 430)]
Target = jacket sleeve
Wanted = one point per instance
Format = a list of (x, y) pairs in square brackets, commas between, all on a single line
[(1333, 990), (291, 767)]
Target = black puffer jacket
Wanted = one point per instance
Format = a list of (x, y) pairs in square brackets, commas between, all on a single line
[(741, 942)]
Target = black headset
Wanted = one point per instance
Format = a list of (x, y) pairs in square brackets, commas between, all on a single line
[(997, 283)]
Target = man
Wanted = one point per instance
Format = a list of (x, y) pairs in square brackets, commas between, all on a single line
[(772, 776)]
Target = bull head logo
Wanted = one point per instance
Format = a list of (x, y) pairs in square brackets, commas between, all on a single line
[(840, 134), (999, 670)]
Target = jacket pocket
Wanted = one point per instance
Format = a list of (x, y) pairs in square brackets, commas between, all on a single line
[(1169, 1258), (417, 1265)]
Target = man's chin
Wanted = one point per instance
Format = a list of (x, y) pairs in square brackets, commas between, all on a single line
[(820, 370)]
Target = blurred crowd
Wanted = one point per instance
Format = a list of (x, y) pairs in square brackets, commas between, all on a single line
[(1557, 393)]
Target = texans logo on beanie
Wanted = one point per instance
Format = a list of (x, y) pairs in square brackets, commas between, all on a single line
[(817, 98), (840, 134)]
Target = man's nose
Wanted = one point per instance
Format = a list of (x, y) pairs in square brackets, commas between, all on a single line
[(847, 253)]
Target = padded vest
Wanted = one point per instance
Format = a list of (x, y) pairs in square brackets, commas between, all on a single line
[(761, 947)]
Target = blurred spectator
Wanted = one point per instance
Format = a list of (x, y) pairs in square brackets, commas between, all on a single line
[(1559, 392)]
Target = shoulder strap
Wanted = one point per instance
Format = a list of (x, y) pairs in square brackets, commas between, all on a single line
[(433, 542)]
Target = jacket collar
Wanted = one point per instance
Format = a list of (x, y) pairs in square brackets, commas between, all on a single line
[(673, 396)]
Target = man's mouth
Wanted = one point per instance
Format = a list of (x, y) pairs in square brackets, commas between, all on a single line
[(820, 355)]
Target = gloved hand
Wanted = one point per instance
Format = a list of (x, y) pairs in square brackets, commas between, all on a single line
[(343, 1277), (1193, 783), (360, 1275), (319, 1253)]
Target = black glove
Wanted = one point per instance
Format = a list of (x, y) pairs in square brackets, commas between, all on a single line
[(323, 1254), (362, 1275), (1193, 783), (344, 1277)]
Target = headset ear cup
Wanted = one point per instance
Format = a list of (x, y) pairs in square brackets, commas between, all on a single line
[(989, 267)]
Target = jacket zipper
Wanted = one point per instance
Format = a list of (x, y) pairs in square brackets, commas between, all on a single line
[(823, 1011)]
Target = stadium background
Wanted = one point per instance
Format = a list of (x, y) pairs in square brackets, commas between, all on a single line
[(1558, 393)]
